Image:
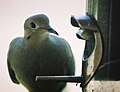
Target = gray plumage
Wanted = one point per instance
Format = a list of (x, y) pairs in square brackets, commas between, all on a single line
[(40, 52)]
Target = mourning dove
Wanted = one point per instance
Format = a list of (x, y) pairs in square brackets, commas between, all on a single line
[(40, 52)]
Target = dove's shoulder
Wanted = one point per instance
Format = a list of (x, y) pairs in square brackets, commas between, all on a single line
[(15, 46), (61, 44), (16, 42), (57, 39), (65, 51)]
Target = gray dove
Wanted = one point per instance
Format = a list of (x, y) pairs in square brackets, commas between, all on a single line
[(41, 52)]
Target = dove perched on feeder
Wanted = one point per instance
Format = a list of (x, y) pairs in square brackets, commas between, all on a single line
[(41, 52)]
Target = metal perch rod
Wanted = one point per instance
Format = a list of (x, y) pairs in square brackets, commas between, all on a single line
[(77, 79)]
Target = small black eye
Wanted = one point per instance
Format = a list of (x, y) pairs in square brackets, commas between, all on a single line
[(33, 25)]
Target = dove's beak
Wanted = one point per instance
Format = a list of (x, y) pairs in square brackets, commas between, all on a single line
[(52, 31)]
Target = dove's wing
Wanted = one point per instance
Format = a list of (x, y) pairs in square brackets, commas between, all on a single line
[(11, 73), (10, 70), (65, 53)]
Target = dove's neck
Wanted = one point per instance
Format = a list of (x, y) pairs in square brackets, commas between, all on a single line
[(37, 38)]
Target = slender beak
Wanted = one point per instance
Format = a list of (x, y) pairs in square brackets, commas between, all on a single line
[(52, 31)]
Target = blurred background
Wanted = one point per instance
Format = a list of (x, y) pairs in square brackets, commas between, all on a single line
[(12, 17)]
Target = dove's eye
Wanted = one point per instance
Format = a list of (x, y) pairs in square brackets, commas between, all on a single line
[(33, 25)]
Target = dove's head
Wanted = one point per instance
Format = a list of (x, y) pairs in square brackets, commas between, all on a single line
[(37, 23)]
